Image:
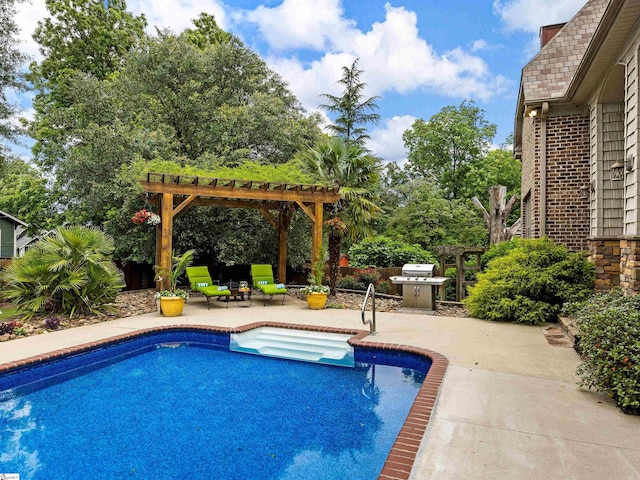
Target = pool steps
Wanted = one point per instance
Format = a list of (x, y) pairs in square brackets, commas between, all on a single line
[(303, 345)]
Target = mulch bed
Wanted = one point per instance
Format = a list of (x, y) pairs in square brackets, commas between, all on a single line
[(127, 304)]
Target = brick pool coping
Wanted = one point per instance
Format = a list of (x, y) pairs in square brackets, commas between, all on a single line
[(402, 456)]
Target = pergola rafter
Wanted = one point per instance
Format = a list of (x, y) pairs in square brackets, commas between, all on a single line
[(176, 193)]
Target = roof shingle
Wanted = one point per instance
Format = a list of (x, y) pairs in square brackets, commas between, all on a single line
[(549, 73)]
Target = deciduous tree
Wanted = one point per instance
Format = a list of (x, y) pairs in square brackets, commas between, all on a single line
[(81, 37), (24, 194), (445, 148), (10, 61)]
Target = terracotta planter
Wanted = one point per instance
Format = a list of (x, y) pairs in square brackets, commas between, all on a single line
[(171, 306), (317, 300)]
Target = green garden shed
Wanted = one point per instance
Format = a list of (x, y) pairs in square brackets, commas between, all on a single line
[(10, 229)]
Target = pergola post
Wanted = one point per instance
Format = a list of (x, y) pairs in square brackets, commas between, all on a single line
[(166, 237), (284, 219), (316, 236)]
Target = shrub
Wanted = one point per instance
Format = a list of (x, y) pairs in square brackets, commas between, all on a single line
[(7, 327), (609, 329), (383, 287), (367, 276), (68, 272), (499, 250), (350, 282), (52, 323), (385, 252), (361, 280), (530, 283)]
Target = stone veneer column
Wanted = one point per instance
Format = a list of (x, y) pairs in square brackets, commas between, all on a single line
[(630, 265), (605, 253)]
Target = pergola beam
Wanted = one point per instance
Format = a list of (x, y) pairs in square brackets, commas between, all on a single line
[(267, 214), (241, 193), (185, 203), (307, 211)]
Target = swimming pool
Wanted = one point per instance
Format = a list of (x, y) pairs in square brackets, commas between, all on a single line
[(186, 412)]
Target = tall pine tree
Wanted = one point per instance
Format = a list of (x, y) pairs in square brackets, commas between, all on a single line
[(353, 111)]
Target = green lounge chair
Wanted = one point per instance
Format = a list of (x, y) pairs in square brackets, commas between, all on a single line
[(262, 276), (200, 281)]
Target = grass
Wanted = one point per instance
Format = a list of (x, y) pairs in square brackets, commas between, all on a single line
[(8, 313)]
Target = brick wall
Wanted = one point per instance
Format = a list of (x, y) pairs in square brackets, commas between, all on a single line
[(568, 157)]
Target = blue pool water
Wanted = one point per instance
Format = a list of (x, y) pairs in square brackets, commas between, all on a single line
[(198, 411)]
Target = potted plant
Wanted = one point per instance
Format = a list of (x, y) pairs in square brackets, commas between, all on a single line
[(316, 292), (172, 299)]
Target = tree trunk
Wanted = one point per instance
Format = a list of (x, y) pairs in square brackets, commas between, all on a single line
[(334, 262), (496, 217)]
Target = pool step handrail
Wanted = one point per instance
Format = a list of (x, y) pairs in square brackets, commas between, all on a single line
[(371, 291)]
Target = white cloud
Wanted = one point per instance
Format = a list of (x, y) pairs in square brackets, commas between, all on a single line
[(312, 24), (28, 14), (177, 15), (530, 15), (393, 55), (309, 83), (479, 45), (386, 140)]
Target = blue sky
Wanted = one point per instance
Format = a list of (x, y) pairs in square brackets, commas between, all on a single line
[(417, 55)]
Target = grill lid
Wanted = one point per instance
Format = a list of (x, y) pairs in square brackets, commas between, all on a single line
[(418, 270)]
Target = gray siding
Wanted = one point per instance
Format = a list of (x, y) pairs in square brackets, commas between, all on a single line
[(630, 185), (610, 198)]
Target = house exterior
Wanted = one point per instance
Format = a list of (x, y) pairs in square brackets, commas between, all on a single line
[(11, 229), (576, 130)]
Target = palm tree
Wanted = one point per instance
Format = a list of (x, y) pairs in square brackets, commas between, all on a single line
[(70, 271), (348, 165)]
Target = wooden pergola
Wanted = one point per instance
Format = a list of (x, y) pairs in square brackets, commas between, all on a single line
[(276, 202)]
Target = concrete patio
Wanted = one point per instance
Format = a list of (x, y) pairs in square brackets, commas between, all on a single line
[(509, 406)]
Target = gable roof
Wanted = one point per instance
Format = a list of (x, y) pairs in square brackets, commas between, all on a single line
[(12, 218), (550, 73)]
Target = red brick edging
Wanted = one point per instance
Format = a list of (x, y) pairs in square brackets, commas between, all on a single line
[(404, 450)]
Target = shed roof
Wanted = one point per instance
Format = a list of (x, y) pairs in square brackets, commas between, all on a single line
[(13, 219)]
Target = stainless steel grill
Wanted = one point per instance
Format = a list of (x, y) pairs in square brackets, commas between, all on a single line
[(419, 286)]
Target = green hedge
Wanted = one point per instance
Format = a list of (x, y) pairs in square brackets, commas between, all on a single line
[(609, 331), (530, 283), (384, 252)]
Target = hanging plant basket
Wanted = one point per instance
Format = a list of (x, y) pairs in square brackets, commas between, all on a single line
[(145, 217)]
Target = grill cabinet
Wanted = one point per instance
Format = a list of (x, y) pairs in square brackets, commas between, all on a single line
[(419, 286)]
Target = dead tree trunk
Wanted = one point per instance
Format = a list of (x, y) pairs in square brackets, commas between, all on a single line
[(498, 213)]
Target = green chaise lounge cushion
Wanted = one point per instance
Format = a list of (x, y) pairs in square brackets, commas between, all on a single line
[(199, 277), (262, 276)]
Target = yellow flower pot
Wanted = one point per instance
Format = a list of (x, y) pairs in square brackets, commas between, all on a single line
[(317, 300), (171, 306)]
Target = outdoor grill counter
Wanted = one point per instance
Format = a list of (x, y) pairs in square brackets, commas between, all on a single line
[(419, 286)]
